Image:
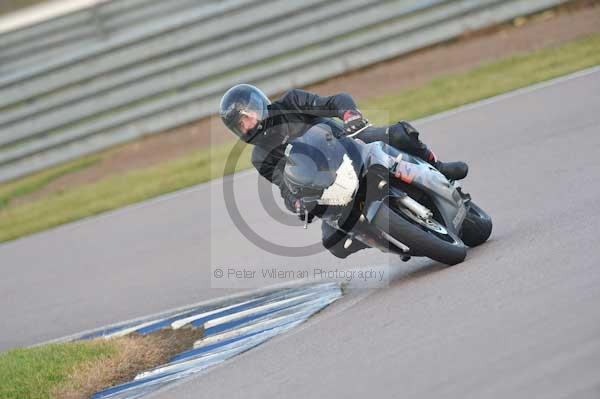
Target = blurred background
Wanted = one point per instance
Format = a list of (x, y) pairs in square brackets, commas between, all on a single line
[(105, 103)]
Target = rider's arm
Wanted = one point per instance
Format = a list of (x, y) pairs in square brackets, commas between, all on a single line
[(271, 168), (266, 164), (309, 103)]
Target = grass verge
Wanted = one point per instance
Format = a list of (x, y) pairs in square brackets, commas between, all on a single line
[(436, 96), (35, 372), (115, 191), (488, 80), (18, 188), (77, 370)]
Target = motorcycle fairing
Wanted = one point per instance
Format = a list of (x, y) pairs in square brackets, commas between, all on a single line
[(422, 175), (314, 159), (343, 189)]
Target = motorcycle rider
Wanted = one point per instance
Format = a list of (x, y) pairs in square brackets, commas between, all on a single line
[(269, 126)]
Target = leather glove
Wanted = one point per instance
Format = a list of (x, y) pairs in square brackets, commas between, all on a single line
[(294, 204), (303, 218), (302, 215), (289, 199), (353, 121)]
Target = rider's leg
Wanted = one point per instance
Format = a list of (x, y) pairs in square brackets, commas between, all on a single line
[(334, 241), (400, 135), (405, 137)]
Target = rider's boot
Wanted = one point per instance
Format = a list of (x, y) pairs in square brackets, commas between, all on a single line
[(452, 170)]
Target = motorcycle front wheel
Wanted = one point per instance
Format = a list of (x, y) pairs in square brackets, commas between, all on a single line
[(421, 240)]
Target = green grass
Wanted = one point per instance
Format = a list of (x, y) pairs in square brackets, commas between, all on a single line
[(33, 373), (116, 191), (436, 96), (488, 80), (35, 182)]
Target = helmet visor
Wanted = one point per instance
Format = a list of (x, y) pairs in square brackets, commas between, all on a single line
[(244, 110)]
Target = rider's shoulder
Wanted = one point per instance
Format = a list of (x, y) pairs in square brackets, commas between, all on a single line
[(292, 95)]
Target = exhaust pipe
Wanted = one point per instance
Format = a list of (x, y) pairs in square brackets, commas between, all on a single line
[(415, 207)]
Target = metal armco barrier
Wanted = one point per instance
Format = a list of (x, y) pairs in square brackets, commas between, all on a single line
[(104, 75)]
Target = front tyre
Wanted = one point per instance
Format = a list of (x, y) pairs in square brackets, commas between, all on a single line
[(421, 242), (477, 226)]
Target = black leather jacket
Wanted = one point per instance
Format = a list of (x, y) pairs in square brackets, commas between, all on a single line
[(290, 117), (296, 112)]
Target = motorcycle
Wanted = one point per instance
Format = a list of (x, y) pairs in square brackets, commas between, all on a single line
[(383, 197)]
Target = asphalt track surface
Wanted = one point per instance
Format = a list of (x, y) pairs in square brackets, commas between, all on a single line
[(519, 318)]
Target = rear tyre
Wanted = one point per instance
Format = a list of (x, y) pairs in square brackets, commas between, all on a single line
[(422, 242), (477, 226)]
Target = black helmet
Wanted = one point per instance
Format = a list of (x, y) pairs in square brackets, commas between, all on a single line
[(241, 100)]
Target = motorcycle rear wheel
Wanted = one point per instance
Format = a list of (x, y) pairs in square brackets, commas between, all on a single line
[(477, 226)]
